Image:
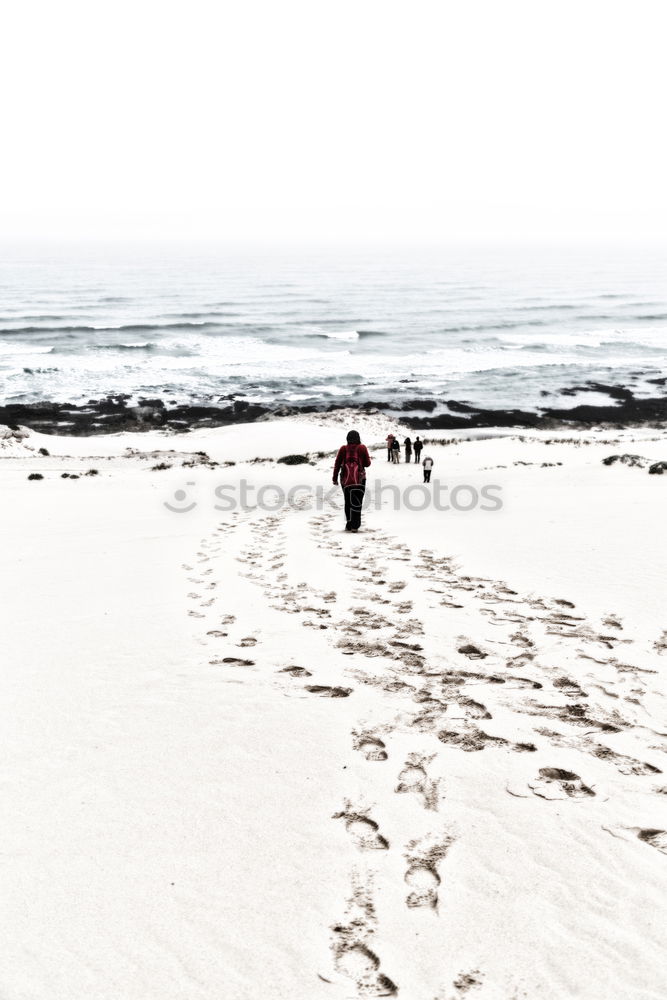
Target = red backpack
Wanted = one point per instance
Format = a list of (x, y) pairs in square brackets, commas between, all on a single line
[(352, 469)]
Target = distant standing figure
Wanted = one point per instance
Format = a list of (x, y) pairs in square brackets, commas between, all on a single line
[(351, 463), (428, 466), (418, 449), (408, 449), (395, 451), (390, 441)]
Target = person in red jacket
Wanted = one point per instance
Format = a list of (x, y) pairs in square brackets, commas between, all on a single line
[(351, 463)]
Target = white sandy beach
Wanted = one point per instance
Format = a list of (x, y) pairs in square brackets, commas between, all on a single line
[(247, 755)]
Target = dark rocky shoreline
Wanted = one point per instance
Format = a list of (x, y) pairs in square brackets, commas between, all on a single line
[(117, 413)]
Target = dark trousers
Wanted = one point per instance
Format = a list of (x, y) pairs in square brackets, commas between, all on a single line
[(408, 455), (354, 498), (389, 454), (418, 452), (427, 475)]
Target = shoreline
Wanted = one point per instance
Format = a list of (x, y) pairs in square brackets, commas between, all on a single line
[(118, 412)]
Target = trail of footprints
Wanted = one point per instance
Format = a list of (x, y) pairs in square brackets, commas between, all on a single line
[(447, 695)]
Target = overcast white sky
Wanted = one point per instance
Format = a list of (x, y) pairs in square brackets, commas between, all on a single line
[(310, 120)]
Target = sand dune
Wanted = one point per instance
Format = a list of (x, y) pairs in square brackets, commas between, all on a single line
[(248, 754)]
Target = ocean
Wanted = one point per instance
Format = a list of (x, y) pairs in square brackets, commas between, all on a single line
[(526, 328)]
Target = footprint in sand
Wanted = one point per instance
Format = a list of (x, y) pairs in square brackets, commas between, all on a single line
[(525, 682), (372, 747), (519, 662), (412, 662), (350, 648), (660, 644), (217, 633), (357, 962), (569, 688), (363, 830), (472, 652), (328, 692), (423, 881), (467, 981), (414, 778), (248, 641), (422, 876), (448, 603), (652, 837), (362, 965), (233, 661), (296, 671), (413, 647), (472, 739), (474, 709), (625, 764), (555, 783)]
